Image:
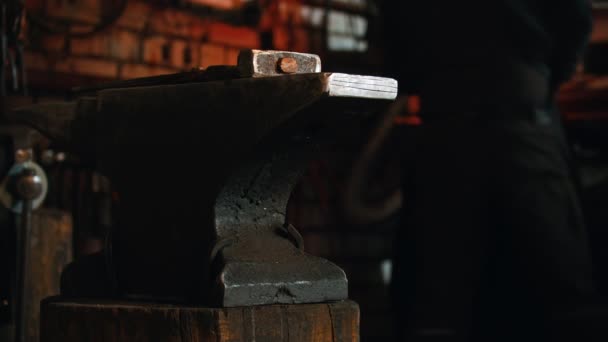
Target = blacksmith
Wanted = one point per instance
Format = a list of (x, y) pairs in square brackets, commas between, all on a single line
[(493, 247)]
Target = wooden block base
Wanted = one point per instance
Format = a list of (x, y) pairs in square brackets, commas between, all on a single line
[(92, 321), (49, 251)]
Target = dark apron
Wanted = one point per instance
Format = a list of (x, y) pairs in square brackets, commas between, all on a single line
[(493, 244)]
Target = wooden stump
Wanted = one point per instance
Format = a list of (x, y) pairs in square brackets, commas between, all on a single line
[(70, 321), (49, 251)]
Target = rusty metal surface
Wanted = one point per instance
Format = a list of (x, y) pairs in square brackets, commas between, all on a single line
[(214, 230), (258, 63)]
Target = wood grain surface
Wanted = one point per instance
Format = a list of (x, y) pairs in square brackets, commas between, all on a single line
[(50, 250), (67, 321)]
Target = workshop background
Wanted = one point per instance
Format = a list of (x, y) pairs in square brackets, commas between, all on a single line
[(76, 43)]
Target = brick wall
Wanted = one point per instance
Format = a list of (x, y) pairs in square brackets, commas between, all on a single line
[(151, 39), (145, 41)]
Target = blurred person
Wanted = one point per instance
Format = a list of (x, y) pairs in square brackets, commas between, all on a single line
[(493, 246)]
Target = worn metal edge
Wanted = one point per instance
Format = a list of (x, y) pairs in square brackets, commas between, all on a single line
[(360, 86)]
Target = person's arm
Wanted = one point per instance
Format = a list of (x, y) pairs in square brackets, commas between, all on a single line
[(400, 40), (571, 22)]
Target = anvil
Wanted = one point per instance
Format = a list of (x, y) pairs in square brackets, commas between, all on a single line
[(204, 163)]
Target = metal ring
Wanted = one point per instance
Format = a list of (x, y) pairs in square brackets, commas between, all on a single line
[(10, 200), (295, 236), (219, 246)]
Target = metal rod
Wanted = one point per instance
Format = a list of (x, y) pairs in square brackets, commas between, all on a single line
[(23, 239), (28, 188)]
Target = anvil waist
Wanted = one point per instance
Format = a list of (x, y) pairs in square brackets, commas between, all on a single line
[(492, 89)]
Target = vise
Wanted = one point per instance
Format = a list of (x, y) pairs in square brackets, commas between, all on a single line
[(204, 163)]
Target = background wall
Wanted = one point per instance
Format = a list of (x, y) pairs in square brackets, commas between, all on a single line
[(147, 38)]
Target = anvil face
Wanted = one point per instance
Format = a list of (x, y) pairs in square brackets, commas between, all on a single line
[(204, 171)]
